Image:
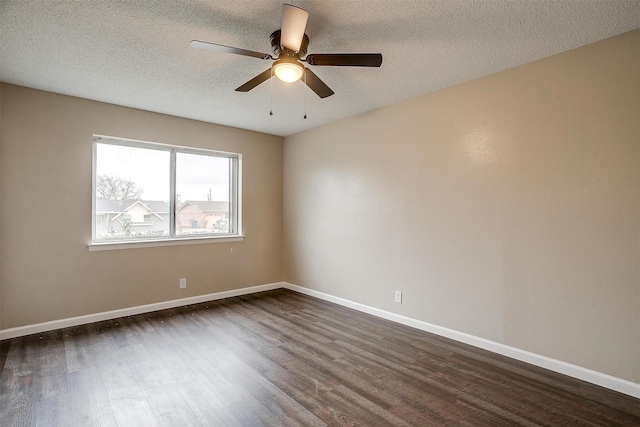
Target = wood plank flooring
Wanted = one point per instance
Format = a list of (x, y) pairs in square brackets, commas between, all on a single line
[(282, 358)]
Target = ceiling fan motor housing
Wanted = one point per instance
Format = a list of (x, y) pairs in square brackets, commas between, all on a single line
[(279, 51)]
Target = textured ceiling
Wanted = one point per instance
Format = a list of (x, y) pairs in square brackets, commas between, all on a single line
[(137, 53)]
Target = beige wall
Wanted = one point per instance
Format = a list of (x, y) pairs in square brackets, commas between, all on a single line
[(48, 272), (1, 185), (507, 207)]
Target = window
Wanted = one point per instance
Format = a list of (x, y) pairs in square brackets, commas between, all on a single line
[(146, 191)]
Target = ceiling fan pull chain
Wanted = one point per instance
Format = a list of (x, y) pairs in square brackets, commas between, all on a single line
[(305, 93), (271, 94)]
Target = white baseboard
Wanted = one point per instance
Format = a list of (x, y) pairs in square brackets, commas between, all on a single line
[(594, 377), (131, 311)]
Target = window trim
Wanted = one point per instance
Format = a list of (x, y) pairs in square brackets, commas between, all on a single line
[(177, 241), (235, 197)]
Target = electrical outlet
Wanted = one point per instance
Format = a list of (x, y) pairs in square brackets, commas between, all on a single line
[(183, 283), (399, 297)]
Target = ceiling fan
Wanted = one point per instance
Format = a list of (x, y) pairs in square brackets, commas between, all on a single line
[(289, 45)]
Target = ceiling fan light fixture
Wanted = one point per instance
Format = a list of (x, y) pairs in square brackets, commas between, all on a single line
[(288, 71)]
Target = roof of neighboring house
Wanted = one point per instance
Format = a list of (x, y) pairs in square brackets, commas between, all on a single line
[(207, 206), (104, 206)]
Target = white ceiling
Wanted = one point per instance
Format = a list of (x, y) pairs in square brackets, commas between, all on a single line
[(136, 53)]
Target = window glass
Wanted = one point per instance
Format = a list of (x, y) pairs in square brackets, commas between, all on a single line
[(202, 191), (148, 191)]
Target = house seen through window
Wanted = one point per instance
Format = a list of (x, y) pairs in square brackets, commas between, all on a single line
[(145, 191)]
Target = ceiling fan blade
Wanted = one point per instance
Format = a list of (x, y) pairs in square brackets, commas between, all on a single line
[(345, 59), (317, 85), (228, 49), (260, 78), (294, 22)]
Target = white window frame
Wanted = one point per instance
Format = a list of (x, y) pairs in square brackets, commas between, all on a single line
[(235, 197)]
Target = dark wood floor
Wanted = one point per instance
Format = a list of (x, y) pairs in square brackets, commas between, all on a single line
[(281, 358)]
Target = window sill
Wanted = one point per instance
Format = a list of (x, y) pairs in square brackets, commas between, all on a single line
[(177, 241)]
